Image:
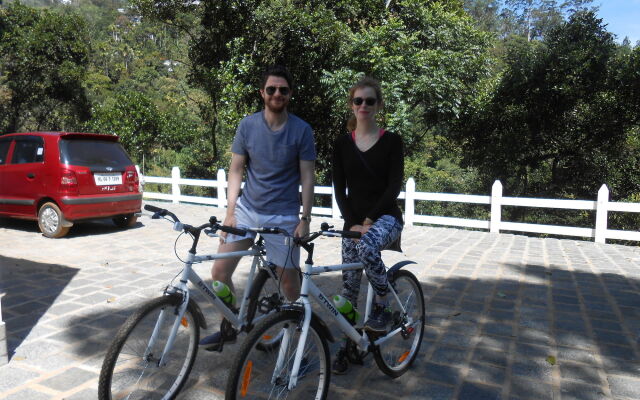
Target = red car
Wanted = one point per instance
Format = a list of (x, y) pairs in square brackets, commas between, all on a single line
[(59, 178)]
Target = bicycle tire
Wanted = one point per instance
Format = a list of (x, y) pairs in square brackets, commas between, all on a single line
[(122, 377), (264, 290), (395, 356), (252, 370)]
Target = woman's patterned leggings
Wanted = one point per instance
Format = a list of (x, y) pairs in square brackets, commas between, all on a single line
[(384, 231)]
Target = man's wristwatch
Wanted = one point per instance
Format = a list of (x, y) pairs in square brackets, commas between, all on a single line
[(306, 218)]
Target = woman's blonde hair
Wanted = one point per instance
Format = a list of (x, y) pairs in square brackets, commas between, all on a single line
[(366, 81)]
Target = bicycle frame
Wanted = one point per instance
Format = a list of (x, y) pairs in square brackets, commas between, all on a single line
[(310, 288), (189, 275)]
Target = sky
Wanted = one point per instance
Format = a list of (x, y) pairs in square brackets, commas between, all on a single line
[(622, 17)]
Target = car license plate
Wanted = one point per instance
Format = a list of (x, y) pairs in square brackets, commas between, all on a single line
[(108, 179)]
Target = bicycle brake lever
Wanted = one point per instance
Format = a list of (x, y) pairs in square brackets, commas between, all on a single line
[(155, 215), (211, 233)]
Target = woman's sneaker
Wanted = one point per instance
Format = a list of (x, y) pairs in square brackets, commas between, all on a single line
[(341, 362), (379, 320)]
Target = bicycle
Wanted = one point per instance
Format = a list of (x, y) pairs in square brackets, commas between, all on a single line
[(299, 366), (154, 350)]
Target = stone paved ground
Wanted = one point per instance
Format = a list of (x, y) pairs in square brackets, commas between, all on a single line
[(499, 306)]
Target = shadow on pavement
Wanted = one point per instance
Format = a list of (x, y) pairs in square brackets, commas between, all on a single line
[(79, 229), (485, 338), (29, 288)]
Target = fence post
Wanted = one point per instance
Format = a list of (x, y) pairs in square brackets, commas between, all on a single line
[(221, 188), (140, 178), (409, 204), (335, 210), (496, 207), (602, 209), (175, 186)]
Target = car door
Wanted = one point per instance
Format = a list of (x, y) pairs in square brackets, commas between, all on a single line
[(5, 145), (24, 180)]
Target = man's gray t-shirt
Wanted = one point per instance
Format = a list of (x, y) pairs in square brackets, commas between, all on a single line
[(273, 162)]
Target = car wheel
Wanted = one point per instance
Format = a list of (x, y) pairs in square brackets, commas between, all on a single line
[(125, 221), (51, 220)]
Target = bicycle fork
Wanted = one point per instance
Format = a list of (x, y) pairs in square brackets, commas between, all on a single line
[(179, 313)]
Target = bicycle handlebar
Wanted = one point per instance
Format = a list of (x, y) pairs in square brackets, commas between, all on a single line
[(213, 222), (232, 230)]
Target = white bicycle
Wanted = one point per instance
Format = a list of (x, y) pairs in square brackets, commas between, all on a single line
[(154, 350), (298, 366)]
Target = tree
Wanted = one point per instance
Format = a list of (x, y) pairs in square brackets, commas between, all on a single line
[(557, 124), (139, 123), (43, 62), (531, 19), (428, 55)]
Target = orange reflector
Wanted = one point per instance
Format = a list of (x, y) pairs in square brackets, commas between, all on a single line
[(245, 378), (266, 337), (184, 322), (403, 357)]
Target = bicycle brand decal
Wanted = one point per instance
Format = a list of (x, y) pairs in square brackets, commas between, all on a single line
[(328, 304), (204, 287)]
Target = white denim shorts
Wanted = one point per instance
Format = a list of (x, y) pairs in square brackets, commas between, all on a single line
[(277, 246)]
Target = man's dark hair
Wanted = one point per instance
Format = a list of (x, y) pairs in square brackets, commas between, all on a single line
[(279, 71)]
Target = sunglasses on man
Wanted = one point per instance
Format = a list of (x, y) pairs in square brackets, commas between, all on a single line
[(271, 90), (370, 101)]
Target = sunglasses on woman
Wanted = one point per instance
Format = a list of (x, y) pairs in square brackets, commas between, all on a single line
[(370, 101), (271, 90)]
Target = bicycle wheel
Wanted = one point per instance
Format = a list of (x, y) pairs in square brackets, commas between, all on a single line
[(396, 355), (128, 374), (255, 374), (265, 298)]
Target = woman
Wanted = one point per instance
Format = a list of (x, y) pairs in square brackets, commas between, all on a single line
[(368, 163)]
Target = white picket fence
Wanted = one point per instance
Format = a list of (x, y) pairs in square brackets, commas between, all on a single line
[(602, 206)]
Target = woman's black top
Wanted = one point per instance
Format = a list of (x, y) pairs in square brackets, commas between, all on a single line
[(373, 188)]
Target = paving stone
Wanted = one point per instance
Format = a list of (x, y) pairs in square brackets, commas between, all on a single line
[(620, 352), (69, 379), (532, 368), (441, 373), (499, 329), (490, 356), (570, 354), (449, 355), (40, 349), (611, 337), (28, 394), (196, 394), (13, 376), (579, 372), (49, 363), (486, 374), (530, 390), (83, 395), (580, 391), (527, 350), (475, 391), (624, 386)]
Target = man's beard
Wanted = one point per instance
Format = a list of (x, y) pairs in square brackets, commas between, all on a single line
[(276, 108)]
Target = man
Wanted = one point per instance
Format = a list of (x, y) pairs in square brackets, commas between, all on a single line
[(277, 149)]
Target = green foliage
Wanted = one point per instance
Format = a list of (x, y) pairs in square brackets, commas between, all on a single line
[(139, 123), (429, 57), (558, 123), (43, 61)]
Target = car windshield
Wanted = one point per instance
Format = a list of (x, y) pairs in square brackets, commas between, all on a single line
[(95, 154)]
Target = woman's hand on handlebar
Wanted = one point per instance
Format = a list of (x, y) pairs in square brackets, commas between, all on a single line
[(359, 229)]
